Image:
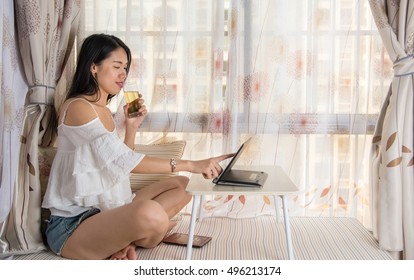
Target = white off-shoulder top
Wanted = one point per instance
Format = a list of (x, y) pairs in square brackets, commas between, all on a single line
[(91, 168)]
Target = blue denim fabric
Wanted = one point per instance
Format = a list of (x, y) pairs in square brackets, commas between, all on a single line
[(60, 228)]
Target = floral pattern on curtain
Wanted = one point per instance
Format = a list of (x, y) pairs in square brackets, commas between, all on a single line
[(392, 171), (45, 34), (12, 99), (302, 86), (305, 78)]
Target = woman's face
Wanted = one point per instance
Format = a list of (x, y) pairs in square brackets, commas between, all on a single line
[(111, 72)]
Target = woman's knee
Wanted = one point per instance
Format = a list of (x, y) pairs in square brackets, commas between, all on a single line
[(150, 218), (182, 181), (151, 213)]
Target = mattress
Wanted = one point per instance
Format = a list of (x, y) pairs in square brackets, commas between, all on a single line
[(263, 238)]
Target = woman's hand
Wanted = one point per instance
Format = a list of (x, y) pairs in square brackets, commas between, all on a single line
[(210, 168), (135, 122)]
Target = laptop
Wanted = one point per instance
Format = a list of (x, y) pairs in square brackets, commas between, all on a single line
[(244, 178)]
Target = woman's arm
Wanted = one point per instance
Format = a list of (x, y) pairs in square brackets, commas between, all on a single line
[(210, 168)]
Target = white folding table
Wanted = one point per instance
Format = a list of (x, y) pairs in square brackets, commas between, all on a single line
[(277, 184)]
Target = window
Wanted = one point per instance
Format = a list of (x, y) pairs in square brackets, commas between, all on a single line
[(307, 77)]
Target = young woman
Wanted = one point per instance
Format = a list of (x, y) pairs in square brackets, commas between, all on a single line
[(94, 214)]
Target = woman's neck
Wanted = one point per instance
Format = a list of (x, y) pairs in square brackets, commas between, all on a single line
[(99, 99), (100, 103)]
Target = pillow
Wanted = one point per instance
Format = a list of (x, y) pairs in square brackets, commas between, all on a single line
[(45, 158), (170, 150)]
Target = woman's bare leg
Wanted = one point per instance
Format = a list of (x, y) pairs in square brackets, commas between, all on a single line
[(144, 223), (110, 233), (162, 191), (169, 193)]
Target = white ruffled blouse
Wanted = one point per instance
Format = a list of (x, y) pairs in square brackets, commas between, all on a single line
[(91, 169)]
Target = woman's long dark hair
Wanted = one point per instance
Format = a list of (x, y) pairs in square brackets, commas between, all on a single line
[(94, 50)]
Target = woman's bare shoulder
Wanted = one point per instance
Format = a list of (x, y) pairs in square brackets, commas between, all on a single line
[(77, 111)]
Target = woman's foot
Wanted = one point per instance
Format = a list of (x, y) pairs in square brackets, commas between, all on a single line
[(128, 253)]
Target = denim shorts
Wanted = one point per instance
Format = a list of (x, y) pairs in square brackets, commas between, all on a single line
[(60, 228)]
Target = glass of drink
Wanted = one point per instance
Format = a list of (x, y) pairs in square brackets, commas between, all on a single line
[(132, 97)]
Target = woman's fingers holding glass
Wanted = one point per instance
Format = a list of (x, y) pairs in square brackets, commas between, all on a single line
[(143, 110)]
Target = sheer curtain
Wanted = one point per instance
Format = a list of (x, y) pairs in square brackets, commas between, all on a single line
[(305, 78)]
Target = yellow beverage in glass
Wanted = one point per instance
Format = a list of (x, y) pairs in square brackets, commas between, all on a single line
[(132, 98)]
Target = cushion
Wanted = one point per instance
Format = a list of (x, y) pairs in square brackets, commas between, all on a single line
[(169, 150), (45, 157)]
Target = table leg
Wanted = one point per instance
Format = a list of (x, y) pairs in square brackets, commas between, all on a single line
[(200, 209), (276, 208), (196, 202), (287, 228)]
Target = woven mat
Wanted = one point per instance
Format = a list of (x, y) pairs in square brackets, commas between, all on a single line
[(263, 238)]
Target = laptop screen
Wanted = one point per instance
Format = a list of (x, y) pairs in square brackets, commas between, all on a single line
[(233, 160)]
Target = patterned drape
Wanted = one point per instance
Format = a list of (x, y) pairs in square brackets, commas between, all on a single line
[(392, 160), (45, 34), (305, 78), (12, 100)]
